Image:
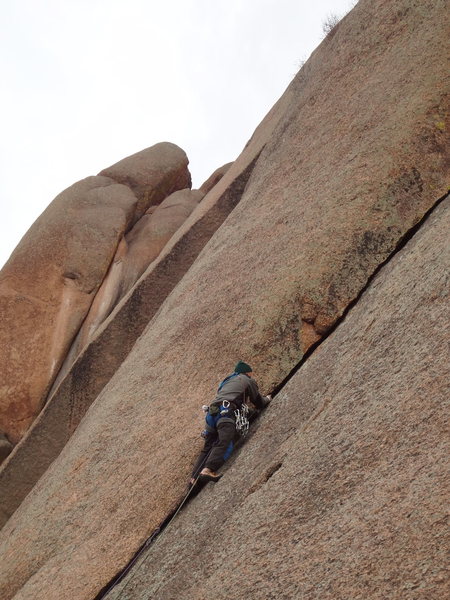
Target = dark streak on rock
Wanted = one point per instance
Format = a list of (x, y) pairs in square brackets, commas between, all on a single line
[(407, 236)]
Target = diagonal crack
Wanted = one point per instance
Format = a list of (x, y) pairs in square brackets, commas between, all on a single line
[(405, 238)]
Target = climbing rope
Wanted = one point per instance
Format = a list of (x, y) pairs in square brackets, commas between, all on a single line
[(149, 541)]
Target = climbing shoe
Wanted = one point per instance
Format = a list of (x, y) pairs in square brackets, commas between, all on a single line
[(208, 475)]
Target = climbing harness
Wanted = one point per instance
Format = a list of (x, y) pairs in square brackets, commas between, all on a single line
[(241, 416), (222, 411)]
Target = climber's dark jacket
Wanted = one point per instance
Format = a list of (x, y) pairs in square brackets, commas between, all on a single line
[(238, 388)]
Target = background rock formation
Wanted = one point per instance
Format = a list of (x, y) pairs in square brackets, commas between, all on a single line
[(152, 174), (135, 252), (48, 285), (348, 161)]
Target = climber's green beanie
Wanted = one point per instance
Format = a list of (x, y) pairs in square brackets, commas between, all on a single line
[(242, 367)]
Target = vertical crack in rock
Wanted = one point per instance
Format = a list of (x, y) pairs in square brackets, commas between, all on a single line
[(127, 568), (264, 478)]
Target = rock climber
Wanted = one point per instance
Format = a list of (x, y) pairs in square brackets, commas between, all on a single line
[(225, 416)]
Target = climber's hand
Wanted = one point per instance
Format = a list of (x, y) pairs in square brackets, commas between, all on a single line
[(267, 400)]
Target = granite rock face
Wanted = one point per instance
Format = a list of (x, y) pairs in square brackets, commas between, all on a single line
[(208, 185), (149, 236), (5, 447), (152, 174), (350, 158), (340, 492)]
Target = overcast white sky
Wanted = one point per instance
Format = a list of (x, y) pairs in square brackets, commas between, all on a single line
[(85, 83)]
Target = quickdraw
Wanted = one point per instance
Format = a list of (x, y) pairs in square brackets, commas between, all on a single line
[(241, 416), (242, 422)]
